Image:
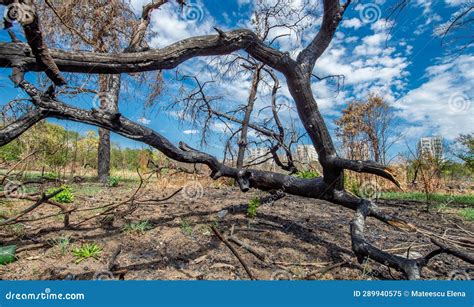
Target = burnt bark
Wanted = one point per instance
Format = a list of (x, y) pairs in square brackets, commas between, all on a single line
[(242, 143), (298, 73)]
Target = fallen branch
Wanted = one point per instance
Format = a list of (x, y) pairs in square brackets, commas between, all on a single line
[(249, 248), (32, 197), (234, 251), (38, 203), (453, 251), (112, 265), (314, 264)]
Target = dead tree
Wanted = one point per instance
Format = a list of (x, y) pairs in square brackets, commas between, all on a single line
[(199, 106), (365, 126), (268, 17), (297, 73)]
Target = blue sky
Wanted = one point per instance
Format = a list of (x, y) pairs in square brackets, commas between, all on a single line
[(429, 87)]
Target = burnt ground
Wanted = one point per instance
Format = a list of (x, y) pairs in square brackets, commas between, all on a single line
[(300, 239)]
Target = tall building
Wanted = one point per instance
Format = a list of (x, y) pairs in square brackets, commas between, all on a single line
[(257, 155), (306, 153), (431, 146)]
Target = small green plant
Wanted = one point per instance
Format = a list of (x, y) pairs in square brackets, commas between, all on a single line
[(186, 228), (467, 214), (137, 227), (85, 251), (113, 181), (252, 207), (7, 254), (62, 243), (65, 196), (307, 174)]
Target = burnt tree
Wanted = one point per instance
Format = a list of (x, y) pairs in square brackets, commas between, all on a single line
[(297, 73)]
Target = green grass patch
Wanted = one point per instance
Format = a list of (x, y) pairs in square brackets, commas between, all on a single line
[(85, 251), (467, 214), (62, 243), (435, 197), (186, 227), (137, 227)]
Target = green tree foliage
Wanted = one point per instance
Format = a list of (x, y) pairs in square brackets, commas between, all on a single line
[(465, 150), (58, 150)]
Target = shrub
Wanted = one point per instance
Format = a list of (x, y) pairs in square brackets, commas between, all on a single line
[(467, 214), (352, 186), (85, 251), (65, 196), (252, 207), (7, 254), (113, 181)]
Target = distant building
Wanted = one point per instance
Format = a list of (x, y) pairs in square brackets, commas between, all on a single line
[(257, 155), (306, 154), (431, 146)]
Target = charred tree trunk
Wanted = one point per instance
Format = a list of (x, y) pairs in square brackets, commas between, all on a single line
[(243, 140), (297, 72), (110, 86), (109, 96)]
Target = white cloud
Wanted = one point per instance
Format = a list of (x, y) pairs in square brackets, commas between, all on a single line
[(443, 103), (144, 120), (243, 2), (193, 131), (352, 23), (455, 2), (221, 127), (172, 23)]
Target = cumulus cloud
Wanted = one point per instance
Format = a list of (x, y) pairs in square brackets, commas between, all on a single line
[(352, 23), (172, 23), (443, 103)]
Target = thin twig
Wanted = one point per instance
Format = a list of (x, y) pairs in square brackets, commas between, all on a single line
[(38, 203), (234, 251), (252, 250)]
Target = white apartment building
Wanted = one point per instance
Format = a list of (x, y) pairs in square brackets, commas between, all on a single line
[(431, 146), (306, 154)]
